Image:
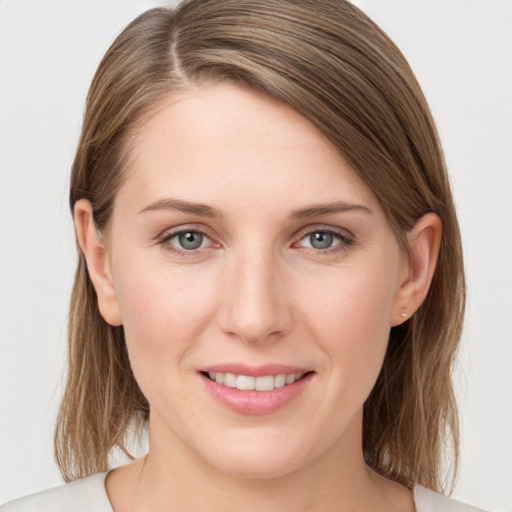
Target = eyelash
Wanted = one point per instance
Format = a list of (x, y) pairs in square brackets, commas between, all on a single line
[(343, 238), (165, 238)]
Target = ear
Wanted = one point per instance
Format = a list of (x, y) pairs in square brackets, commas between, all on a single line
[(95, 252), (424, 241)]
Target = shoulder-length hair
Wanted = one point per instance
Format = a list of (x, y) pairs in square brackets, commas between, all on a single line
[(332, 64)]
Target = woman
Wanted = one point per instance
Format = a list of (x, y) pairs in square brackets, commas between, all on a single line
[(270, 269)]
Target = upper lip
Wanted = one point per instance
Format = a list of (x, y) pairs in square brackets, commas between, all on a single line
[(256, 370)]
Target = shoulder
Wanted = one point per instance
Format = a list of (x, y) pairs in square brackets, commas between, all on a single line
[(85, 495), (430, 501)]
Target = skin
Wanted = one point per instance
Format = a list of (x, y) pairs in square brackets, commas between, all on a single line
[(256, 291)]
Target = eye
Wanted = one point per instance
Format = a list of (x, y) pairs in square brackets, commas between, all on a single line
[(185, 240), (324, 239), (321, 240), (190, 240)]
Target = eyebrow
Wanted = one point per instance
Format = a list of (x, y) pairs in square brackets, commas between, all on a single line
[(329, 208), (202, 210)]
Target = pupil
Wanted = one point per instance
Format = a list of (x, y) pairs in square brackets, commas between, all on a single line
[(191, 240), (321, 240)]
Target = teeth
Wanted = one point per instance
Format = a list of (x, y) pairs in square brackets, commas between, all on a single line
[(290, 378), (265, 383), (229, 379), (249, 383), (280, 380), (245, 382)]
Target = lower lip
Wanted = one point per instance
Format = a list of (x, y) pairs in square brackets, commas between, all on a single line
[(256, 402)]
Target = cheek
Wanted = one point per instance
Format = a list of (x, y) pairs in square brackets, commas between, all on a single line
[(350, 318), (163, 309), (351, 304), (163, 317)]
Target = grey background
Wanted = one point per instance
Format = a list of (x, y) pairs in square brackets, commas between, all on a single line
[(461, 51)]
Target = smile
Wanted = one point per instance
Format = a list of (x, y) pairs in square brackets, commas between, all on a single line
[(250, 383)]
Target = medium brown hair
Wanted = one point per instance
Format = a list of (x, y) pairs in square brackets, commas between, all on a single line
[(332, 64)]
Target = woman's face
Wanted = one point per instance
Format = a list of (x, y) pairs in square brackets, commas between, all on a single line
[(243, 245)]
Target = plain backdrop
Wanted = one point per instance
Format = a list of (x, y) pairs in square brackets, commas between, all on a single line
[(461, 51)]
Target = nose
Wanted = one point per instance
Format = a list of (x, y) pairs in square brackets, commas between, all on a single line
[(256, 307)]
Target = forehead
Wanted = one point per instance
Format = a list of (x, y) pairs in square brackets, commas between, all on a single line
[(223, 143)]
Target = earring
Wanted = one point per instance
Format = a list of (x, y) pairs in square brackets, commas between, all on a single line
[(403, 315)]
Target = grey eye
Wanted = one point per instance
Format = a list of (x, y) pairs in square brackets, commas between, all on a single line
[(321, 240), (190, 240)]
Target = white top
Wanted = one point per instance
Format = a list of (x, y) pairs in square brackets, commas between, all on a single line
[(89, 495)]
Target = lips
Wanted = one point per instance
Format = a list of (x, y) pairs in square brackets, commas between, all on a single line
[(255, 390)]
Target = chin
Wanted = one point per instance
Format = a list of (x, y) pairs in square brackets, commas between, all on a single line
[(260, 456), (259, 467)]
